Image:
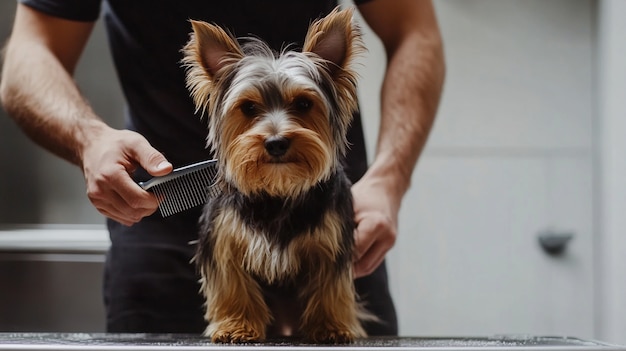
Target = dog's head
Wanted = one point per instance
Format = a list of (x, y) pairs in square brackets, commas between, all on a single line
[(277, 121)]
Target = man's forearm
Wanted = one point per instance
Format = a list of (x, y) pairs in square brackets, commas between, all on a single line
[(43, 99), (409, 100)]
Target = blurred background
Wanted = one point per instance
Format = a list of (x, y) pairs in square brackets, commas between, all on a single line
[(529, 143)]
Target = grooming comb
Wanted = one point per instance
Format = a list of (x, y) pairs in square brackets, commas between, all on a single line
[(184, 187)]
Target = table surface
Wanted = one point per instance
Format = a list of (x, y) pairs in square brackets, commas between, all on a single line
[(155, 342)]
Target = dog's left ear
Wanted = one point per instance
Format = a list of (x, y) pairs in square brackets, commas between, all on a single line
[(335, 38)]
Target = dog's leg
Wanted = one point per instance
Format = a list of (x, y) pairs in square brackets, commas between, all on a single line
[(331, 313), (236, 310)]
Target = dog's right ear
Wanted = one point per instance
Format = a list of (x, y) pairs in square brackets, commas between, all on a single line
[(212, 47), (209, 50)]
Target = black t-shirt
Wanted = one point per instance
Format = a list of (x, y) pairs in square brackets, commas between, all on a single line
[(146, 37)]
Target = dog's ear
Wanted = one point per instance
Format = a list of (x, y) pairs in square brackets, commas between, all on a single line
[(208, 50), (336, 38), (213, 47)]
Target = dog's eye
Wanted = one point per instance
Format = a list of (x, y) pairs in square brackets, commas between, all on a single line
[(249, 108), (302, 104)]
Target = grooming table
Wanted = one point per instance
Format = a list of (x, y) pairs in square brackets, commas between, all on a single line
[(171, 342)]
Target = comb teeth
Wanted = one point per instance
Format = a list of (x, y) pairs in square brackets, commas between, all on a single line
[(184, 188)]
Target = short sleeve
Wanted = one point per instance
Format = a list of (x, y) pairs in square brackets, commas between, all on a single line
[(75, 10)]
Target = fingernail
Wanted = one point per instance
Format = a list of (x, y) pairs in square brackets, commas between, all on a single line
[(164, 165)]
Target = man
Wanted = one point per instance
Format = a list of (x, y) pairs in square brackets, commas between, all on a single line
[(150, 286)]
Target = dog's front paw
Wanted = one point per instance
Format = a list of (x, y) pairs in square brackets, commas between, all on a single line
[(332, 337), (233, 333)]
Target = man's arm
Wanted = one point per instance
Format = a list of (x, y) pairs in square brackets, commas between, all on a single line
[(410, 96), (37, 89), (38, 92)]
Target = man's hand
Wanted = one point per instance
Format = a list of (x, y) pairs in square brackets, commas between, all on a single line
[(107, 164), (376, 216)]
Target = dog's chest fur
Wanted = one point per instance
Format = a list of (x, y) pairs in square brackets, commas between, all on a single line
[(278, 239)]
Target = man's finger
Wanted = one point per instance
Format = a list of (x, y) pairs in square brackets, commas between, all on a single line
[(151, 159), (370, 261), (363, 239)]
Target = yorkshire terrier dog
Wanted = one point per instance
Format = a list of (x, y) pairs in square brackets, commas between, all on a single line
[(276, 246)]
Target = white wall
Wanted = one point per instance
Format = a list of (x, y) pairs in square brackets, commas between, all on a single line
[(611, 148), (530, 67)]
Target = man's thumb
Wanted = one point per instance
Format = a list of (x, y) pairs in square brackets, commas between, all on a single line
[(155, 163)]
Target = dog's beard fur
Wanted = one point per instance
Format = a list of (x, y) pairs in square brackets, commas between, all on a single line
[(278, 125)]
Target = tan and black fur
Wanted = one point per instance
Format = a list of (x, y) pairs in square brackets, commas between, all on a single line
[(276, 246)]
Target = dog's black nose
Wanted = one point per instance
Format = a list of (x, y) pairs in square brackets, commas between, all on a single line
[(276, 145)]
